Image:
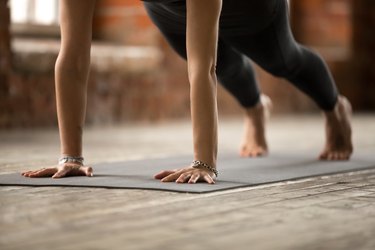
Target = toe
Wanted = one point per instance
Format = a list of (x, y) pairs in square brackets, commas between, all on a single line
[(323, 156), (343, 156), (252, 152), (330, 156), (89, 172), (258, 153), (262, 152), (348, 155), (244, 152), (335, 156)]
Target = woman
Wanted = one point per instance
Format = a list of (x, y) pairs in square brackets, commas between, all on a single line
[(203, 32), (260, 30)]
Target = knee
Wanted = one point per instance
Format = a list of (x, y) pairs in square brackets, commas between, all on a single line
[(282, 69), (278, 70), (286, 65), (228, 68)]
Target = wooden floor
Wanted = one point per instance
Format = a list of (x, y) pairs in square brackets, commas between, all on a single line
[(327, 212)]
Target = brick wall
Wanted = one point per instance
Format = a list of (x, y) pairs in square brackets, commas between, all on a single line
[(343, 30), (5, 58), (322, 23), (159, 95), (160, 91), (124, 22), (363, 57)]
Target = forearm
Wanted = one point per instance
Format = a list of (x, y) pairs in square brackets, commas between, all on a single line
[(71, 72), (71, 88), (202, 36), (204, 117)]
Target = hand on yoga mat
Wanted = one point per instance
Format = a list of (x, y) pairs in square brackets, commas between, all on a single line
[(186, 175), (60, 171)]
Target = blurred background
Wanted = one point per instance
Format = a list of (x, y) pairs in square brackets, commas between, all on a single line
[(136, 77)]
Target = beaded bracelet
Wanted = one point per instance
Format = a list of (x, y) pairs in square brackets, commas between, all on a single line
[(71, 159), (199, 164)]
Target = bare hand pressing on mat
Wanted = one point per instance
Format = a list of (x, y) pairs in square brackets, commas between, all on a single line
[(71, 73), (201, 44), (188, 174), (59, 171)]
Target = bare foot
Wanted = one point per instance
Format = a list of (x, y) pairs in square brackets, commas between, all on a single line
[(338, 132), (254, 143)]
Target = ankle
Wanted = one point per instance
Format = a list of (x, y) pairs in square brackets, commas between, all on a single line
[(332, 115), (255, 110), (263, 103), (341, 112)]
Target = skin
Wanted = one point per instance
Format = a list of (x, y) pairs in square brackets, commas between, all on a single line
[(338, 131), (339, 144), (254, 141), (202, 37), (72, 67), (71, 73)]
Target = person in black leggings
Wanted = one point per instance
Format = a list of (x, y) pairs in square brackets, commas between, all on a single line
[(217, 37), (259, 30)]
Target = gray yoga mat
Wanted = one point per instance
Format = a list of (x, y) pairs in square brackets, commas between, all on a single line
[(235, 172)]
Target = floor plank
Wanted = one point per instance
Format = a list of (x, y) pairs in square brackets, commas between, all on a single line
[(327, 212)]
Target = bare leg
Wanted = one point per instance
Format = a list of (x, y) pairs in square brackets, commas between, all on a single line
[(338, 132), (254, 142)]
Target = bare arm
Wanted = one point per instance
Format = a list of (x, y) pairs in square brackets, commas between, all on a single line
[(71, 73), (202, 39), (202, 36)]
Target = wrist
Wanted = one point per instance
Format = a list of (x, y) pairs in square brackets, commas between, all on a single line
[(200, 164), (71, 159), (208, 154)]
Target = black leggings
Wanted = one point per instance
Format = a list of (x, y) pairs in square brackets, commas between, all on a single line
[(259, 30)]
